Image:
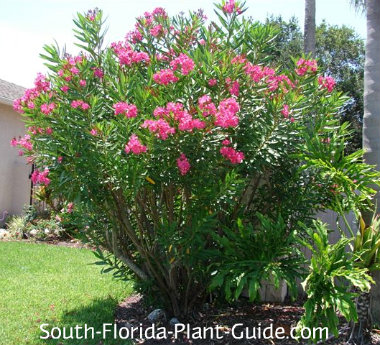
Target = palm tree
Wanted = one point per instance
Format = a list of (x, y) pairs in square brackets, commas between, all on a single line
[(309, 29), (371, 120)]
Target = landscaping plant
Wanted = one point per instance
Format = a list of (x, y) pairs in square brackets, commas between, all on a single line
[(180, 145)]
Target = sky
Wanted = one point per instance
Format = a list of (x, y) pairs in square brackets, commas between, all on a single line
[(26, 25)]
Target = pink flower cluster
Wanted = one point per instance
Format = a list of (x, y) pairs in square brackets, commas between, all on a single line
[(80, 104), (40, 177), (150, 20), (123, 108), (212, 82), (164, 77), (127, 56), (47, 108), (235, 157), (183, 164), (327, 82), (34, 130), (285, 111), (305, 66), (187, 64), (206, 106), (230, 7), (70, 69), (257, 73), (175, 111), (160, 127), (156, 30), (134, 145), (24, 143), (41, 85), (276, 80), (233, 87), (98, 72), (226, 115)]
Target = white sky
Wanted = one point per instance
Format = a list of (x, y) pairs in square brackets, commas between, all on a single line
[(26, 25)]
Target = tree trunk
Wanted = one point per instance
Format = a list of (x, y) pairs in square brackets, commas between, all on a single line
[(371, 121), (309, 29)]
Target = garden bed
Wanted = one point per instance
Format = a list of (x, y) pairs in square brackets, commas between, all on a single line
[(132, 313)]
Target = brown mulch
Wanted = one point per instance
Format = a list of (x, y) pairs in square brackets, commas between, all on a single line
[(132, 312)]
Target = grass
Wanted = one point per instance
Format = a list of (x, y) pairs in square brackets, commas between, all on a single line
[(41, 283)]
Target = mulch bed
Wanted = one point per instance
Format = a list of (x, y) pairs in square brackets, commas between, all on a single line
[(132, 312)]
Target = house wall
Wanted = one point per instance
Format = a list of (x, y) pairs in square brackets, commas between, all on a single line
[(14, 173)]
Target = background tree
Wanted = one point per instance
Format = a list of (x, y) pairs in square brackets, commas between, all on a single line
[(371, 120), (340, 53), (309, 28)]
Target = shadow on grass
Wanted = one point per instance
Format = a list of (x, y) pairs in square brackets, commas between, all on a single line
[(96, 314)]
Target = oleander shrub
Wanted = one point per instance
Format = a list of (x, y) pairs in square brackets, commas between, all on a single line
[(163, 141)]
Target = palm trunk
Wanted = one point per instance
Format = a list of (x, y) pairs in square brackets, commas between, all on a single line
[(371, 121), (309, 32)]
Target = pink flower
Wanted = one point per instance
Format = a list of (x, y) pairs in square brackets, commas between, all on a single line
[(164, 77), (160, 112), (234, 89), (156, 30), (187, 64), (17, 106), (239, 60), (235, 157), (70, 207), (230, 7), (49, 131), (82, 83), (40, 177), (226, 142), (94, 132), (41, 83), (327, 82), (160, 127), (47, 108), (212, 82), (80, 104), (14, 142), (187, 123), (226, 116), (64, 88), (74, 70), (60, 159), (98, 73), (30, 105), (305, 66), (183, 164), (127, 56), (159, 12), (135, 146), (285, 111), (202, 42), (206, 105), (129, 110)]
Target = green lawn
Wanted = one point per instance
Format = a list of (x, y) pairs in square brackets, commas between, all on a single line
[(42, 283)]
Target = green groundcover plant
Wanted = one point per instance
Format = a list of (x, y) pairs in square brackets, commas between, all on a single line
[(180, 139)]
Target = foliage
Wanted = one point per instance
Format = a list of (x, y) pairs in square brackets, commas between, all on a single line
[(163, 142), (332, 272), (367, 245), (253, 255)]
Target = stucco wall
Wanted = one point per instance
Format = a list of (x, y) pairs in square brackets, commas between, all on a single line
[(14, 173)]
